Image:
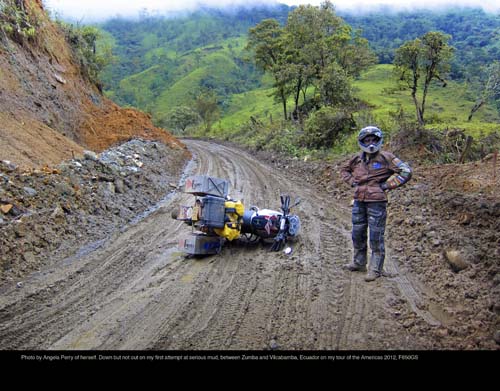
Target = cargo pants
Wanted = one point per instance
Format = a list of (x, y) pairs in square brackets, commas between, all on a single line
[(369, 216)]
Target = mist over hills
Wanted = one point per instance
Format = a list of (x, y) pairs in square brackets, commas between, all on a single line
[(98, 12), (362, 7), (92, 11)]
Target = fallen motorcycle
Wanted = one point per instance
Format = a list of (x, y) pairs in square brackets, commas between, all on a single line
[(217, 218)]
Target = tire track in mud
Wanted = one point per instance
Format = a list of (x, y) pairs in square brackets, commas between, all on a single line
[(235, 314), (137, 291), (308, 300), (411, 294), (340, 309), (80, 293)]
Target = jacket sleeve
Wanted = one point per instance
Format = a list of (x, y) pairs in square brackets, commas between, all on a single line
[(402, 173), (346, 172)]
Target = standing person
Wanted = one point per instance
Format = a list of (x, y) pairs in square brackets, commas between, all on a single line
[(372, 173)]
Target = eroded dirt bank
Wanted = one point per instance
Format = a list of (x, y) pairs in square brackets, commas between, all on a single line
[(47, 213), (50, 108), (137, 291)]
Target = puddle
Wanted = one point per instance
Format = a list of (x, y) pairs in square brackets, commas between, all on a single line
[(82, 251)]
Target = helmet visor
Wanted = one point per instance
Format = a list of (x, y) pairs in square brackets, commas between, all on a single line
[(370, 139), (370, 143)]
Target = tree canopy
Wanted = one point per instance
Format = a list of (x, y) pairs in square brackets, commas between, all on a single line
[(314, 49), (473, 32), (427, 58)]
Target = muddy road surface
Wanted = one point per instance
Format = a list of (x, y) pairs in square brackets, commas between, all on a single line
[(136, 290)]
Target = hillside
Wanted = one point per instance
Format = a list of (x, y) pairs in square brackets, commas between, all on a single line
[(49, 110), (474, 33), (447, 106), (162, 63), (74, 166)]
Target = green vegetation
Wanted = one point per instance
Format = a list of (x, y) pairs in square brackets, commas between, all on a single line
[(424, 58), (15, 21), (489, 87), (83, 41), (180, 117), (315, 50), (212, 74), (169, 62), (474, 34), (447, 107)]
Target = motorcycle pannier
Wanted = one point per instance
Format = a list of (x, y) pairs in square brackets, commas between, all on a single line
[(202, 185), (212, 212), (200, 244)]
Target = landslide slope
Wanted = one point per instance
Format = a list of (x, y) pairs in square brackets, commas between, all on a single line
[(49, 110)]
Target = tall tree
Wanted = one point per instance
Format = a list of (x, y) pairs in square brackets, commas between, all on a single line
[(320, 42), (314, 41), (207, 107), (266, 42), (408, 70), (489, 89), (426, 58), (180, 117)]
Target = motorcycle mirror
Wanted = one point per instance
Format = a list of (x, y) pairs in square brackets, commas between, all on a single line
[(297, 201)]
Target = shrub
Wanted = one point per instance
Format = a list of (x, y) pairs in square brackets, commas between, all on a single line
[(323, 128), (15, 21), (83, 43)]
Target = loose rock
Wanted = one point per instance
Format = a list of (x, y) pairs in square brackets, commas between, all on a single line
[(50, 213), (6, 208), (496, 337), (456, 260), (90, 155), (30, 191)]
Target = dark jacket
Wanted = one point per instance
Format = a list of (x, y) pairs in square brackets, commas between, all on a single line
[(372, 175)]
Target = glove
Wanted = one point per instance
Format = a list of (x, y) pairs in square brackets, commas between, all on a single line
[(384, 186)]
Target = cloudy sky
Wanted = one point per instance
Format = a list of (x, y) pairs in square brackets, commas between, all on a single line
[(98, 9)]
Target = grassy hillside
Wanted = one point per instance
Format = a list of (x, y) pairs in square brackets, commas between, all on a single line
[(446, 107), (257, 103), (164, 63), (213, 67), (175, 82), (474, 33)]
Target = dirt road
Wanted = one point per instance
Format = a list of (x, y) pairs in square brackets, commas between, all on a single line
[(135, 290)]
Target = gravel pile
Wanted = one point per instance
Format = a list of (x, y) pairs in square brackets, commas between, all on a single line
[(54, 211)]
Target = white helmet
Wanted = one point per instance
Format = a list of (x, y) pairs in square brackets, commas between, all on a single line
[(370, 131)]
